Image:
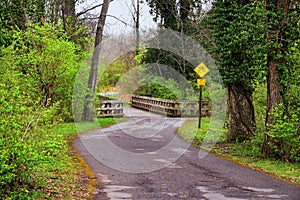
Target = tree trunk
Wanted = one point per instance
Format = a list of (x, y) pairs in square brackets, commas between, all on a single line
[(68, 11), (184, 14), (137, 27), (241, 113), (88, 107), (69, 8), (274, 96)]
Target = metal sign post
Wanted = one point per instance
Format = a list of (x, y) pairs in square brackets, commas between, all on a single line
[(200, 108), (201, 70)]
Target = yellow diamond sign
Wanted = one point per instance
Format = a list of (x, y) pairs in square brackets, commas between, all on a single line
[(201, 69)]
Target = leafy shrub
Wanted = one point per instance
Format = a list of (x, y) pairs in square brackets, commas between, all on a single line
[(286, 132), (47, 57), (110, 75), (19, 125), (160, 88), (35, 62)]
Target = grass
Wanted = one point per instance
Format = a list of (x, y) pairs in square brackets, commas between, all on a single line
[(246, 154), (207, 133), (68, 176)]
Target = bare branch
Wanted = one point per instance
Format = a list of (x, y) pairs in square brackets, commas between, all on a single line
[(95, 18), (119, 20), (89, 9)]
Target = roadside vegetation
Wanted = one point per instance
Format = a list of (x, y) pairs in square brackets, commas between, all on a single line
[(44, 45), (247, 153)]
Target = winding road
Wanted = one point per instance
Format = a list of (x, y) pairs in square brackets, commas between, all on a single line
[(144, 159)]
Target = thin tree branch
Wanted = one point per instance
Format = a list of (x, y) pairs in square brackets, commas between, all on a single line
[(118, 20), (94, 18), (89, 9)]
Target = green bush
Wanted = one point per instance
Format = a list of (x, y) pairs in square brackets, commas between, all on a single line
[(286, 132), (51, 61), (36, 83), (22, 124), (160, 88)]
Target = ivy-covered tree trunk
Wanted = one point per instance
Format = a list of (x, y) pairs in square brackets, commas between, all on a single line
[(280, 9), (237, 35), (241, 113), (88, 113), (273, 85)]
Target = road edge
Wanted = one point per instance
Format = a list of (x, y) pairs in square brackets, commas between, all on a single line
[(93, 182), (228, 158)]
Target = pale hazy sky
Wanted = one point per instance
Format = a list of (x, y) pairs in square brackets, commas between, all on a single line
[(123, 10)]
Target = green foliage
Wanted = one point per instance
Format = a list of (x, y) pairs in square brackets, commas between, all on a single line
[(169, 59), (156, 86), (21, 128), (285, 132), (111, 74), (176, 15), (37, 74), (50, 61), (260, 103), (240, 40), (159, 89), (14, 14), (290, 79)]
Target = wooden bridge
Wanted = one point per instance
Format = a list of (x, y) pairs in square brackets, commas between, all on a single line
[(109, 107), (170, 108), (114, 108)]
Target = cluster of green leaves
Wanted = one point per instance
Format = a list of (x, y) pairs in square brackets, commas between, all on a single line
[(46, 56), (239, 35), (14, 15), (286, 132), (290, 79), (37, 74), (23, 145), (111, 74), (169, 59), (159, 88)]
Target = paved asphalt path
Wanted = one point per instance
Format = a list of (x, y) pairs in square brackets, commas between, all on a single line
[(143, 159)]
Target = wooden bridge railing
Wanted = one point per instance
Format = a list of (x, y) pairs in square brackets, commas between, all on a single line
[(109, 108), (170, 108)]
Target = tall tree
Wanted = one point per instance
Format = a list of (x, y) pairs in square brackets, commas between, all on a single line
[(175, 15), (238, 35), (178, 16), (88, 108), (165, 12), (280, 35)]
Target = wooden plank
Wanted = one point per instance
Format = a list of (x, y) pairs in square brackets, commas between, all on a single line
[(104, 109)]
